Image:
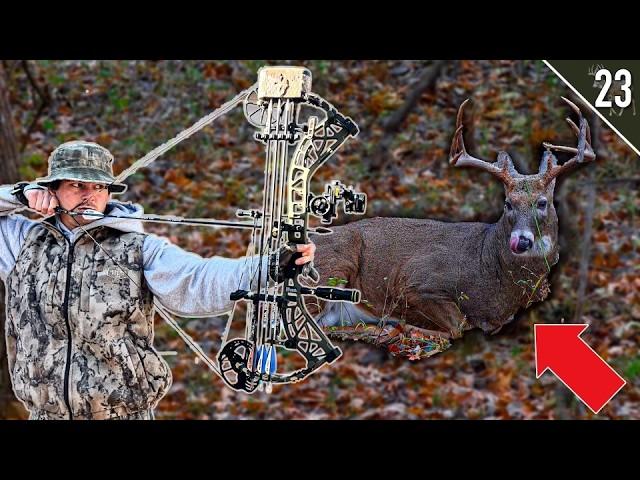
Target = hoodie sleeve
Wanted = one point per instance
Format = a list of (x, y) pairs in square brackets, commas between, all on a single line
[(189, 285), (13, 230)]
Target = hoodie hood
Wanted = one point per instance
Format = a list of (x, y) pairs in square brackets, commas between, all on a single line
[(119, 209)]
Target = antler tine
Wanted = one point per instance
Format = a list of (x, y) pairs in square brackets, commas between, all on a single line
[(573, 106), (573, 126), (457, 144), (459, 157), (583, 152), (576, 130)]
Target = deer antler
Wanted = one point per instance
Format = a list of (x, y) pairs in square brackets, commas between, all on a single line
[(502, 168), (594, 69), (583, 152)]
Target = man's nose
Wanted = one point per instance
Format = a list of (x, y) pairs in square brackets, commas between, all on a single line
[(86, 193)]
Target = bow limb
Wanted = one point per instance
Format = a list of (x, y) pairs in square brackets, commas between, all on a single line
[(199, 125)]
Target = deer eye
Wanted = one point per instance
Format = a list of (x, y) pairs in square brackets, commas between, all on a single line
[(508, 205), (542, 204)]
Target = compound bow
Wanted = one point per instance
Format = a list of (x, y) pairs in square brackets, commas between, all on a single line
[(277, 317)]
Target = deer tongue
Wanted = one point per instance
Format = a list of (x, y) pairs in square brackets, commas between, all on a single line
[(513, 244)]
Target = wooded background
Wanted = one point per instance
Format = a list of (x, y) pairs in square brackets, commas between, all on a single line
[(406, 114)]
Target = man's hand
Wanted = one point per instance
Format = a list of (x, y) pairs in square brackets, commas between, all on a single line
[(42, 201), (308, 253), (286, 252)]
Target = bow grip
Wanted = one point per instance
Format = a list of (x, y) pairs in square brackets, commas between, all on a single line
[(308, 270)]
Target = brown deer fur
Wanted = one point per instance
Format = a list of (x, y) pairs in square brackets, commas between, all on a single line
[(449, 277)]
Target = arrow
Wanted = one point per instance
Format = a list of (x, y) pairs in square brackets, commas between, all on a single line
[(560, 349)]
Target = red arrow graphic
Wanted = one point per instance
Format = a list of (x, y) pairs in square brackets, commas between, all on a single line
[(560, 349)]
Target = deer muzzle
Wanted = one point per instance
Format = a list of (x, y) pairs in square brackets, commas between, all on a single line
[(521, 241)]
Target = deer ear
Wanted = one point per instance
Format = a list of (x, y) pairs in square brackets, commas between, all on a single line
[(548, 160), (505, 159)]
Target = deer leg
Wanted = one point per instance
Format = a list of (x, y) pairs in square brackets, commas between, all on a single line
[(445, 316), (400, 340), (410, 329)]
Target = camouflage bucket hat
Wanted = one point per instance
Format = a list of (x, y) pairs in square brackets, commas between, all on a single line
[(82, 161)]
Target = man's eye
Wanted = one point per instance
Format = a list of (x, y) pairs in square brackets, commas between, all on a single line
[(508, 205), (542, 204)]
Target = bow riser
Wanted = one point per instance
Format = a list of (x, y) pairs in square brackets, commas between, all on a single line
[(277, 316)]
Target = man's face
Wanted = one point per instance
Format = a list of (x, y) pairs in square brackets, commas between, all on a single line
[(79, 196)]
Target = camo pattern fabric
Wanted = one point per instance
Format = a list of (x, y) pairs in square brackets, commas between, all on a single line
[(116, 414), (91, 354), (80, 154)]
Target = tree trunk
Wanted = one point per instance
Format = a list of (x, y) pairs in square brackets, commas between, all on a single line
[(566, 405), (9, 152), (9, 158), (585, 257)]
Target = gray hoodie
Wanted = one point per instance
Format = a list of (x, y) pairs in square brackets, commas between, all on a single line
[(183, 282)]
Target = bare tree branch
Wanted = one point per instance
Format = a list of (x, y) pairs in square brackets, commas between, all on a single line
[(427, 79), (393, 123), (45, 100)]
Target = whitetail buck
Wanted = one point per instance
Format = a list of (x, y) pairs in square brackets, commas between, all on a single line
[(444, 278)]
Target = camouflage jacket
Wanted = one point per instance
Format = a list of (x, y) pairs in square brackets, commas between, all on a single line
[(80, 330), (52, 307)]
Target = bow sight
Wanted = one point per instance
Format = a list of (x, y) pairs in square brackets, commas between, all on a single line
[(324, 206)]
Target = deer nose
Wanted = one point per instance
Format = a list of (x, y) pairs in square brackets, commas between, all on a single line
[(521, 240), (524, 244)]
